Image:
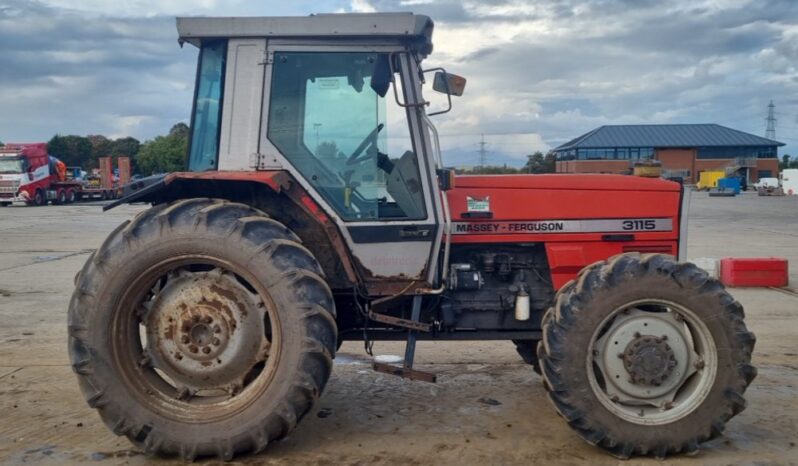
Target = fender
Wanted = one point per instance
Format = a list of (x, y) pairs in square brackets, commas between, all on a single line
[(265, 190)]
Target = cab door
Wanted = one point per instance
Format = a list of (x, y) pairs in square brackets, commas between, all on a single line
[(333, 120)]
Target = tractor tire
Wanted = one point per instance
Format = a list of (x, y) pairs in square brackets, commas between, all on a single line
[(527, 349), (642, 355), (202, 328)]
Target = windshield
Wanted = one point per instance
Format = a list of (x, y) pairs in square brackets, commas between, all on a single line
[(10, 165), (334, 118)]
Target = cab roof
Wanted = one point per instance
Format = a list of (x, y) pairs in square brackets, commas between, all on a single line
[(417, 29)]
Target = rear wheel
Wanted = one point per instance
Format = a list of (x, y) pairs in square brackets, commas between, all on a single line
[(643, 355), (70, 196), (202, 328), (60, 197)]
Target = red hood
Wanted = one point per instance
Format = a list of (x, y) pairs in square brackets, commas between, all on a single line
[(590, 182)]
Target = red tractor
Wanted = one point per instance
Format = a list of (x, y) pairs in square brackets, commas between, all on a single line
[(316, 210)]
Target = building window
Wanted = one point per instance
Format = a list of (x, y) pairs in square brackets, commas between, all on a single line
[(731, 152), (765, 174)]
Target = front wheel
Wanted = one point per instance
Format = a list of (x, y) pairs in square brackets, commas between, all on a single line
[(39, 198), (644, 355), (202, 328)]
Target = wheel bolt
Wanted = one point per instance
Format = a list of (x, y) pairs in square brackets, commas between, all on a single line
[(196, 318), (207, 320), (620, 355), (216, 342), (637, 334), (664, 337), (192, 348), (217, 329), (184, 339), (206, 350), (699, 364)]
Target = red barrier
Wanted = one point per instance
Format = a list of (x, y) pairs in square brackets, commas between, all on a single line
[(761, 271)]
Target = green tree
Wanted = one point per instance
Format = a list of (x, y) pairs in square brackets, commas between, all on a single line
[(489, 170), (539, 163), (127, 147), (164, 153), (326, 149), (785, 162), (74, 151), (101, 146), (179, 130)]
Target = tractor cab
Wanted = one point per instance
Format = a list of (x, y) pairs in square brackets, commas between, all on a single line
[(338, 104)]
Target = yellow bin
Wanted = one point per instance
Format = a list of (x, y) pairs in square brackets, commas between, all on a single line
[(709, 179)]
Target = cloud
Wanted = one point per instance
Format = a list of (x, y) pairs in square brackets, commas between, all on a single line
[(560, 68), (539, 72)]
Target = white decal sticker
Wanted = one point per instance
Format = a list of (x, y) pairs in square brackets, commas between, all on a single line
[(476, 204)]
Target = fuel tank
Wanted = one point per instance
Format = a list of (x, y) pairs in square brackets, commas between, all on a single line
[(581, 218)]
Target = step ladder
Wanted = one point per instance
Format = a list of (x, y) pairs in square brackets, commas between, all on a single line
[(414, 325)]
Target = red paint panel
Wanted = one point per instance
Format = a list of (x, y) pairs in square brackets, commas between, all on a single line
[(760, 272), (568, 203), (567, 259), (591, 182)]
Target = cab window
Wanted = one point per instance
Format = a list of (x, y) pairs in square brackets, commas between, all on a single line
[(334, 117), (205, 122)]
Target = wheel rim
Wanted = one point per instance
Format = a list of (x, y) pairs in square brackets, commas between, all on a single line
[(196, 339), (652, 362)]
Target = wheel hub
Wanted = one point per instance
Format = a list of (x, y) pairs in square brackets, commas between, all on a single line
[(206, 330), (649, 360), (645, 357)]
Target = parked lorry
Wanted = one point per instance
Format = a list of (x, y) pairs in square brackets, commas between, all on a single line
[(29, 174), (208, 324)]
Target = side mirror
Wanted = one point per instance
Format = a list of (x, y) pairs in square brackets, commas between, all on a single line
[(448, 83), (446, 178)]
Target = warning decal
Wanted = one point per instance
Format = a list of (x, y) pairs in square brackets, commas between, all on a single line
[(475, 204)]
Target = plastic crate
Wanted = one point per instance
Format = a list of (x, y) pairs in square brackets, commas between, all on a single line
[(761, 271)]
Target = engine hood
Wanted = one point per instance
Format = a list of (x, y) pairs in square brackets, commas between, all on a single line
[(536, 198), (566, 181)]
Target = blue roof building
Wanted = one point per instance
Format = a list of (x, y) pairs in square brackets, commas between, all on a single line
[(683, 149)]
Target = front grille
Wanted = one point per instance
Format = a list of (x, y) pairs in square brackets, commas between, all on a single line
[(9, 186)]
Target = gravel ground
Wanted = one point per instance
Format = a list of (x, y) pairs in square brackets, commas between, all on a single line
[(488, 408)]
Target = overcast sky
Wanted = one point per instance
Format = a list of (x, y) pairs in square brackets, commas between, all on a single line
[(539, 72)]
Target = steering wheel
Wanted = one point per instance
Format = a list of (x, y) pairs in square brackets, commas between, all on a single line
[(370, 140)]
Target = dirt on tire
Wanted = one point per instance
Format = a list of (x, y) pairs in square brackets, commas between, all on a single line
[(579, 309), (274, 264)]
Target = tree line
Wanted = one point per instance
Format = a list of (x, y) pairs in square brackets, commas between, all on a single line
[(163, 154), (787, 161), (535, 163)]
